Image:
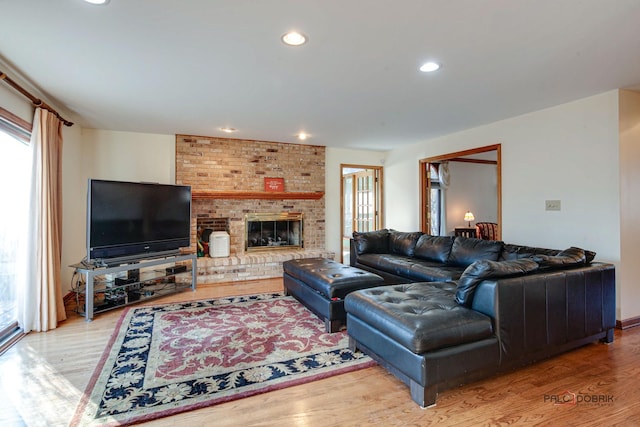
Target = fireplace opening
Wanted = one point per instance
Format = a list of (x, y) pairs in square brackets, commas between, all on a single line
[(273, 231)]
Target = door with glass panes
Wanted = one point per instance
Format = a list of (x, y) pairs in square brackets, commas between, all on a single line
[(361, 202)]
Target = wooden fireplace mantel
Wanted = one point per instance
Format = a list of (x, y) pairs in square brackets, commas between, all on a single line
[(262, 195)]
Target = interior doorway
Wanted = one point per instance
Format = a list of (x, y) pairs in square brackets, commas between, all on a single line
[(360, 202), (474, 187)]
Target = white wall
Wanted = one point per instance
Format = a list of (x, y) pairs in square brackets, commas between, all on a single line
[(92, 153), (568, 152), (334, 157), (129, 156), (629, 270), (73, 203)]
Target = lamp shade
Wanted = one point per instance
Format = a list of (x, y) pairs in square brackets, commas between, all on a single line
[(469, 217)]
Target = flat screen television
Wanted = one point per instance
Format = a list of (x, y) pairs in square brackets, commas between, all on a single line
[(129, 220)]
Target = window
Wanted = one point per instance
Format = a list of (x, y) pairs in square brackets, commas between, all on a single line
[(436, 208), (15, 164), (435, 200)]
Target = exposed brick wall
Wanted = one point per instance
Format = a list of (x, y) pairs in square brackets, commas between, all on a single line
[(215, 224), (224, 164)]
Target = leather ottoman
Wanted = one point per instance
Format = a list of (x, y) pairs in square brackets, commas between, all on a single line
[(321, 285)]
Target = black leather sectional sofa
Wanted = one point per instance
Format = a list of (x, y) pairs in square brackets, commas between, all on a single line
[(457, 309), (407, 257)]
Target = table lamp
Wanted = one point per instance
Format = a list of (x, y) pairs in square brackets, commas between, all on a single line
[(469, 217)]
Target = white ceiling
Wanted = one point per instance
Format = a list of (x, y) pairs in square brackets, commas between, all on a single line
[(193, 66)]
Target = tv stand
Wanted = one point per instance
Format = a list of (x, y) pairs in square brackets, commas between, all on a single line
[(103, 290)]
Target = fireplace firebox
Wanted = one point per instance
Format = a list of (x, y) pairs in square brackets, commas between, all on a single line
[(273, 231)]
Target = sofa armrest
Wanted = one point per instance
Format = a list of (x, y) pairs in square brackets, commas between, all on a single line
[(541, 314), (353, 255)]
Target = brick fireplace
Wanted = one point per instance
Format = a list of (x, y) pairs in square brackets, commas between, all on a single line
[(227, 177), (272, 231)]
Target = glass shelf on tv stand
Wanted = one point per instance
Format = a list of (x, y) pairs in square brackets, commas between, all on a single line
[(102, 294)]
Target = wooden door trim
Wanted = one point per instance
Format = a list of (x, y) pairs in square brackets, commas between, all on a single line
[(424, 196), (380, 200)]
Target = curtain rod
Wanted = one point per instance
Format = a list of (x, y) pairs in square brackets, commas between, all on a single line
[(35, 101)]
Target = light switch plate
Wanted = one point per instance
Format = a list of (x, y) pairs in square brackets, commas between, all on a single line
[(552, 205)]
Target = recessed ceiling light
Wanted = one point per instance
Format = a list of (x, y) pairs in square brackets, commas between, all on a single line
[(99, 2), (228, 130), (429, 67), (294, 38)]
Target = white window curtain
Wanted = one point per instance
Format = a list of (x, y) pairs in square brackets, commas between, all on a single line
[(40, 302), (445, 179)]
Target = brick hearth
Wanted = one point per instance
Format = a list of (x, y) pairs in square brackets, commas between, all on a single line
[(253, 266), (240, 166)]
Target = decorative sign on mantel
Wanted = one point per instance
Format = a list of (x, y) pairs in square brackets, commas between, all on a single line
[(274, 185)]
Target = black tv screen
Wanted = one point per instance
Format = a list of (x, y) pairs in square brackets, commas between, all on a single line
[(134, 220)]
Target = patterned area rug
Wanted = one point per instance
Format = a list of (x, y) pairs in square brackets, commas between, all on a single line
[(167, 359)]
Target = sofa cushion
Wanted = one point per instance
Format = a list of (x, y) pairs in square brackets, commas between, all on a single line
[(372, 242), (484, 269), (403, 243), (570, 257), (430, 271), (411, 268), (394, 264), (420, 316), (434, 248), (389, 263), (466, 251)]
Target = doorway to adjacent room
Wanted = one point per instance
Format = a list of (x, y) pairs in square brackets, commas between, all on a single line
[(361, 202), (454, 184)]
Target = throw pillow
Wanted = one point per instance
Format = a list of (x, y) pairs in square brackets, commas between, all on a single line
[(589, 255), (484, 269), (511, 251), (567, 258), (372, 242), (403, 243)]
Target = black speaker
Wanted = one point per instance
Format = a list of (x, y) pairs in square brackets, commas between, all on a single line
[(127, 281), (177, 269), (133, 275)]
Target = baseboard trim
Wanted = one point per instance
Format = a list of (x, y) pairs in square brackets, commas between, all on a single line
[(628, 323)]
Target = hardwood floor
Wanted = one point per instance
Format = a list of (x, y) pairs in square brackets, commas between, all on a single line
[(44, 375)]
